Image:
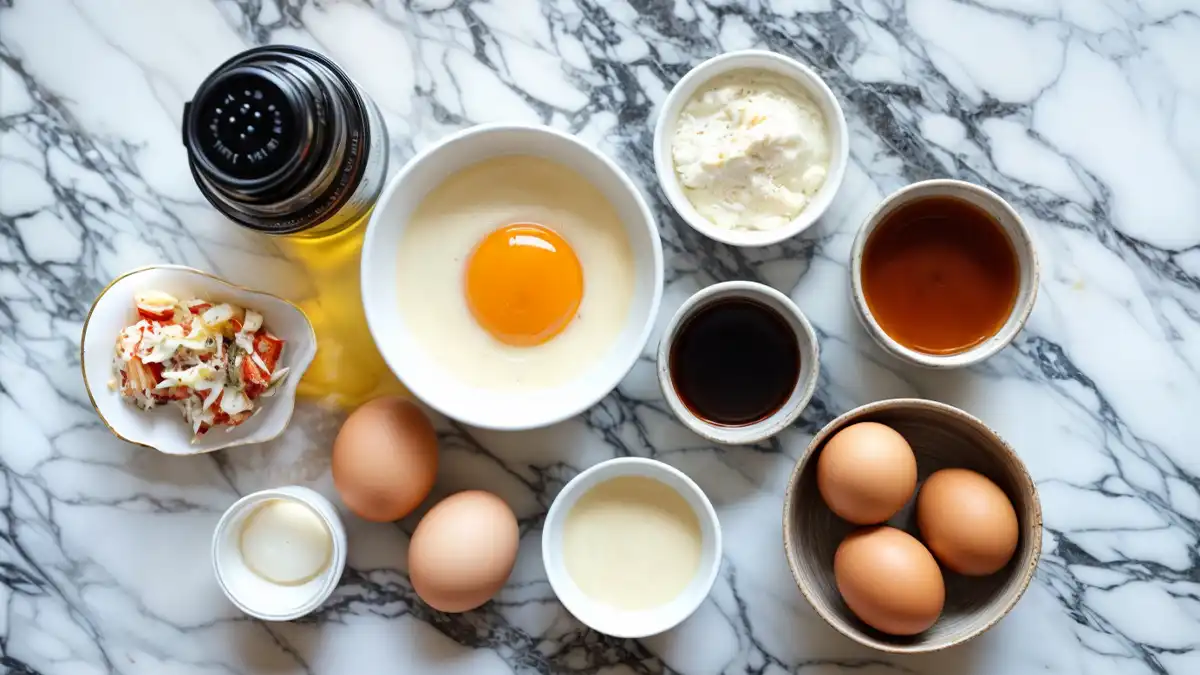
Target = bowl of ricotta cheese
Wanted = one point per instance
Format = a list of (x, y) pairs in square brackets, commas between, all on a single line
[(750, 147)]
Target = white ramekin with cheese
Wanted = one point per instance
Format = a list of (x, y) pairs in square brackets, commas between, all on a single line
[(750, 148)]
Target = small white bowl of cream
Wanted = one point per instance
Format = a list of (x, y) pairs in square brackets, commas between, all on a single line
[(632, 547), (279, 553), (750, 147)]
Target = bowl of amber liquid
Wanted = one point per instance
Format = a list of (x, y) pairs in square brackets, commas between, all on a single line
[(944, 274)]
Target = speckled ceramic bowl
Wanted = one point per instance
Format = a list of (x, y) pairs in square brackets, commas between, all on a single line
[(941, 436)]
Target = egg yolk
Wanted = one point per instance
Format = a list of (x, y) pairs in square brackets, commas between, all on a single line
[(524, 284)]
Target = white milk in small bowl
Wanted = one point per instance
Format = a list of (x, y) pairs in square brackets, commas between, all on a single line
[(632, 546)]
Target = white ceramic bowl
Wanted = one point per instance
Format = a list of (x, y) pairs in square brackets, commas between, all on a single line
[(695, 81), (806, 384), (605, 618), (1027, 268), (257, 596), (424, 376), (164, 428)]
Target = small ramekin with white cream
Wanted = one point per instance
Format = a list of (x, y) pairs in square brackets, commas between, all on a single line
[(750, 148), (279, 553)]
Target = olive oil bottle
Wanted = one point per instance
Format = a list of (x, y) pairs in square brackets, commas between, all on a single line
[(281, 141)]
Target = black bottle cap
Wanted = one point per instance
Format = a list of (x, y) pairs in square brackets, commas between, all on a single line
[(251, 130), (265, 134), (248, 125)]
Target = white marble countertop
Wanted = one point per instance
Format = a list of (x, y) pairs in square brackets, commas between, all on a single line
[(1085, 114)]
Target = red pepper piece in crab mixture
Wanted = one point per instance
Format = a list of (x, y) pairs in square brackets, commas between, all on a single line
[(268, 347)]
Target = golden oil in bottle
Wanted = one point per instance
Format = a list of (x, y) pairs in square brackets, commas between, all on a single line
[(348, 369)]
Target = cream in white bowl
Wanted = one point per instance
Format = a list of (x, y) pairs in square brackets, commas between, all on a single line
[(164, 428), (750, 147), (632, 547), (414, 274), (279, 566)]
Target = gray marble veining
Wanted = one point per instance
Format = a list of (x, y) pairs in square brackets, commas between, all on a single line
[(1084, 114)]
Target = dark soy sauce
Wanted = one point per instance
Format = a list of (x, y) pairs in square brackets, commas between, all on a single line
[(735, 362)]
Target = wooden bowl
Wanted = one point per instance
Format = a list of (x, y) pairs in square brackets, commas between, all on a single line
[(941, 436)]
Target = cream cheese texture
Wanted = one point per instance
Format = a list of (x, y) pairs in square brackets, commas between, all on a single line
[(750, 150)]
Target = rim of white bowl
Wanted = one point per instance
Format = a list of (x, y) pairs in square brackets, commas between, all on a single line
[(751, 59), (590, 612), (615, 376)]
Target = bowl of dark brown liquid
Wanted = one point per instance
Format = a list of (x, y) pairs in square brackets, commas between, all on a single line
[(738, 362), (944, 274)]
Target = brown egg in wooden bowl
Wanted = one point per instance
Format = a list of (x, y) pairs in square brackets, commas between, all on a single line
[(980, 516)]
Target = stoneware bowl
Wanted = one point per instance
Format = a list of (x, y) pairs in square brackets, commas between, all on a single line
[(428, 379), (941, 436), (696, 79), (605, 618), (257, 596), (164, 428), (1022, 244), (806, 384)]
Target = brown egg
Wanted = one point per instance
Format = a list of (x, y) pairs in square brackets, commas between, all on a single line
[(866, 473), (967, 521), (385, 459), (889, 580), (463, 551)]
